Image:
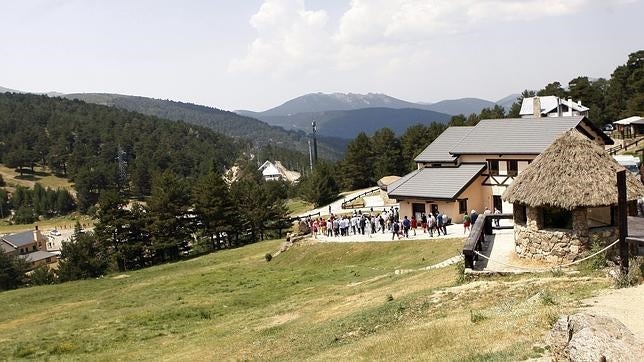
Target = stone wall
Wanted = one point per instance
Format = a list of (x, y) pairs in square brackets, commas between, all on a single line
[(559, 246)]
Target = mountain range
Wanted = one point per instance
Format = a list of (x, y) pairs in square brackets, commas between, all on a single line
[(335, 112)]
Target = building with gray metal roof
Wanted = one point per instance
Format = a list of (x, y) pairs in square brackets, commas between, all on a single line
[(435, 183), (469, 167)]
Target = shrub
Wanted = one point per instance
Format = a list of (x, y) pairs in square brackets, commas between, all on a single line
[(42, 275), (476, 317), (268, 257), (460, 272)]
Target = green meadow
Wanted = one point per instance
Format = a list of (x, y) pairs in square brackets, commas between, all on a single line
[(340, 301)]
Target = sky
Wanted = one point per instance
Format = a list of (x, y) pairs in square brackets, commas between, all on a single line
[(254, 54)]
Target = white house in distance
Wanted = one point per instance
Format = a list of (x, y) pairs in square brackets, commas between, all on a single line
[(469, 168), (551, 106), (276, 171)]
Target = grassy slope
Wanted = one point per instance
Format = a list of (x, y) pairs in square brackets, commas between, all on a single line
[(41, 176), (316, 301)]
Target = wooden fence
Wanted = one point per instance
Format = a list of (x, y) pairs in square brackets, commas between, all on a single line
[(475, 241)]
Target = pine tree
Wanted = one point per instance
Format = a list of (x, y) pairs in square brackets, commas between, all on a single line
[(387, 151), (82, 258), (170, 227), (320, 187), (357, 166), (214, 208)]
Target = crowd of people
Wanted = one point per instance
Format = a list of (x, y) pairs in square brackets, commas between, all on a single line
[(388, 221)]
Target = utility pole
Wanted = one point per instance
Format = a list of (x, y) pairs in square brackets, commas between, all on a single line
[(315, 143), (310, 156)]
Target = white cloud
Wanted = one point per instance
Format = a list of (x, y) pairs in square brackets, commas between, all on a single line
[(289, 36), (379, 33)]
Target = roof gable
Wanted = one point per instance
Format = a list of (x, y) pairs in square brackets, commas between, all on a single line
[(438, 150)]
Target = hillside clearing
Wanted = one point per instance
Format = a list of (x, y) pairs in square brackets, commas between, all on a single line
[(306, 304), (41, 175)]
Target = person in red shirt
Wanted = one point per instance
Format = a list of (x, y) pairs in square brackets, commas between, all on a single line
[(414, 224)]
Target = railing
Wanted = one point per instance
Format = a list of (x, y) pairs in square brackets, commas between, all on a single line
[(614, 150), (347, 204), (483, 226), (294, 218)]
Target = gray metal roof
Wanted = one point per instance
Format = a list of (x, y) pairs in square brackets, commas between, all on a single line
[(438, 151), (20, 239), (435, 182), (515, 135), (6, 248), (37, 255)]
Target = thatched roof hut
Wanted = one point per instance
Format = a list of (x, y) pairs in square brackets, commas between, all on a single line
[(572, 172), (565, 201)]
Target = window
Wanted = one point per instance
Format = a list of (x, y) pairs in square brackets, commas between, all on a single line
[(494, 167), (599, 217), (462, 206), (513, 168), (520, 216), (555, 218)]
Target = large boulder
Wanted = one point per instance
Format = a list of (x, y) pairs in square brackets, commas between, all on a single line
[(592, 337)]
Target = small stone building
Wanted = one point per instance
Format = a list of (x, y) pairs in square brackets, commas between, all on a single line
[(566, 200)]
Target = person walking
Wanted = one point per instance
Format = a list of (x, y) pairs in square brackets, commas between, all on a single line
[(473, 216), (431, 225), (466, 223), (414, 224), (439, 223), (406, 225), (497, 221), (423, 222), (395, 229), (445, 218)]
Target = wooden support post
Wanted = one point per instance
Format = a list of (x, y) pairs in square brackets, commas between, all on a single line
[(623, 221)]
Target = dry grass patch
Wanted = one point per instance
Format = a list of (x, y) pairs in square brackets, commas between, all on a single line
[(40, 175)]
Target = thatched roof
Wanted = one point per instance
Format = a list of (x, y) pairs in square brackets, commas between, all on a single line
[(386, 181), (572, 172)]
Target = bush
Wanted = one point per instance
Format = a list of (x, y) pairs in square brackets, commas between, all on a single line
[(268, 257), (460, 272), (476, 317), (42, 275), (597, 262), (634, 275)]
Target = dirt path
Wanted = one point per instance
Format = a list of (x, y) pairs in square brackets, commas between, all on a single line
[(623, 304)]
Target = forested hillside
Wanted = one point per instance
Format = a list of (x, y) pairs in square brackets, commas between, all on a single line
[(101, 147), (231, 124)]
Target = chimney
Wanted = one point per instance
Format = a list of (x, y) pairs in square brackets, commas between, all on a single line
[(536, 107), (570, 103), (559, 107)]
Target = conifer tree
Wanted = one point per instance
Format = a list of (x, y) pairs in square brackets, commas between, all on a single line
[(214, 208), (170, 226)]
